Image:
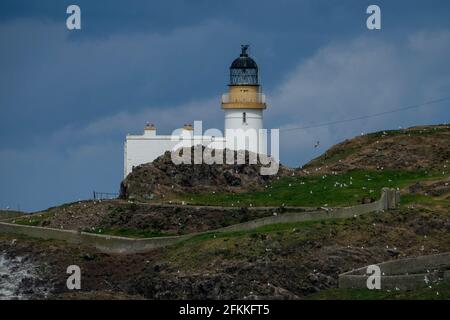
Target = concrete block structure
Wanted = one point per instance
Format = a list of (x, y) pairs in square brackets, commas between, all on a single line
[(403, 274)]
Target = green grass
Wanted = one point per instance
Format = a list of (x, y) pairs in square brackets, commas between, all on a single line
[(198, 251), (423, 199), (32, 220), (129, 233), (425, 293), (272, 228), (333, 190)]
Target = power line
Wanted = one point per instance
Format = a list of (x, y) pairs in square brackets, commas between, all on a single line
[(326, 124)]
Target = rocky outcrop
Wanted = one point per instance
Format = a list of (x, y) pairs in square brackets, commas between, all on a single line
[(163, 178), (435, 189)]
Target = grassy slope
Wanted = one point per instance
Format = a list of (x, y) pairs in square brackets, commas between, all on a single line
[(303, 242), (32, 220), (334, 190), (285, 254), (292, 247), (347, 148), (199, 252)]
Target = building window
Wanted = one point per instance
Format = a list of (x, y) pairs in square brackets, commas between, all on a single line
[(244, 118)]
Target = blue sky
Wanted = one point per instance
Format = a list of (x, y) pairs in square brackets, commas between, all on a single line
[(68, 98)]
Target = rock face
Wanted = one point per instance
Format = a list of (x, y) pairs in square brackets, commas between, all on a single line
[(163, 177), (416, 148), (19, 279), (435, 189)]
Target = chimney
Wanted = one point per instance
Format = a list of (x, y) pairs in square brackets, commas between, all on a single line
[(149, 130), (187, 130)]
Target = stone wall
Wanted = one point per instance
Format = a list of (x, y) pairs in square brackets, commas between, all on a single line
[(403, 274), (389, 199), (105, 243)]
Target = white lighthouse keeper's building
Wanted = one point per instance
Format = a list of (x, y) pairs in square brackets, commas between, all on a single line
[(243, 106)]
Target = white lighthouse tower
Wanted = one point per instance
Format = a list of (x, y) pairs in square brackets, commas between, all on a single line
[(243, 106)]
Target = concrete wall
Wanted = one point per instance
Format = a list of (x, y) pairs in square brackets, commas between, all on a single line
[(400, 282), (105, 243), (114, 244), (403, 274), (332, 213), (383, 203)]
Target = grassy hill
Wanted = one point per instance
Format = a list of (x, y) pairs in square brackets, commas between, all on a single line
[(412, 149), (283, 261), (350, 171), (315, 185), (291, 260)]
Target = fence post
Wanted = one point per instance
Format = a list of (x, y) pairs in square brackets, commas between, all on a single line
[(397, 198), (391, 198), (385, 198)]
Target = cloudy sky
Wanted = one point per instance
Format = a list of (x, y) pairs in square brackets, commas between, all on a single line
[(68, 98)]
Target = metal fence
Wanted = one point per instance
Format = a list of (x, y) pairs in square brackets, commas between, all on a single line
[(104, 195)]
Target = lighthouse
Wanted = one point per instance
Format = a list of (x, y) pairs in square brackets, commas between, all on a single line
[(243, 106)]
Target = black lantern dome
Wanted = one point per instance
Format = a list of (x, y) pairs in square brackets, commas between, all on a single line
[(244, 70)]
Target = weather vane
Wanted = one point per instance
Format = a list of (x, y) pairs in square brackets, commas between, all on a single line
[(244, 48)]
